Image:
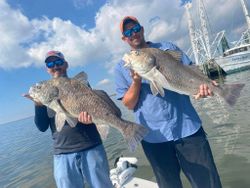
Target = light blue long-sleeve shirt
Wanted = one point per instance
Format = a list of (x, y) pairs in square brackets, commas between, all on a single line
[(168, 118)]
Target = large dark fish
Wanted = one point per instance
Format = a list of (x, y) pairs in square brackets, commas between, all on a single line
[(68, 97), (163, 69)]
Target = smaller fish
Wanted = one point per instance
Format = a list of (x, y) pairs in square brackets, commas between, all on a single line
[(163, 69)]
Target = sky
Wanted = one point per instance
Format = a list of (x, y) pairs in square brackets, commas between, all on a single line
[(87, 32)]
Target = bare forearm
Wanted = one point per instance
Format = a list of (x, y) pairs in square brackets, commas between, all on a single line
[(130, 99)]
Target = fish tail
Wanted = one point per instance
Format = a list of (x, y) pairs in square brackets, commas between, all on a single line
[(133, 134), (231, 92)]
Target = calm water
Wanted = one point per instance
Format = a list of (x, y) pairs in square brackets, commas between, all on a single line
[(26, 153)]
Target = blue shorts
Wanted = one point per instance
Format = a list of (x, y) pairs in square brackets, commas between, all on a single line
[(72, 170), (191, 154)]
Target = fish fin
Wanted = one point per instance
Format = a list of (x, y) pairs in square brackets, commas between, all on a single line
[(71, 121), (60, 121), (231, 92), (82, 77), (51, 113), (157, 81), (133, 134), (103, 130), (126, 59), (62, 115), (175, 54), (155, 88)]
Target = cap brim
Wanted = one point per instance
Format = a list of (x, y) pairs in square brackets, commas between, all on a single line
[(53, 57)]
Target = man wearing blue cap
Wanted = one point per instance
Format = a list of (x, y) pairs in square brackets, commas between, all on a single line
[(79, 154)]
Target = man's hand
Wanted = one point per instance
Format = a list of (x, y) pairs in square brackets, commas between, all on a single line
[(37, 103), (135, 77), (205, 91), (85, 118)]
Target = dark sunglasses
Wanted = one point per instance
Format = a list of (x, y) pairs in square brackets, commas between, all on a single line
[(52, 64), (135, 29)]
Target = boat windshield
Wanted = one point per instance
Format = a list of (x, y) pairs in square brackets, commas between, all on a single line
[(236, 50)]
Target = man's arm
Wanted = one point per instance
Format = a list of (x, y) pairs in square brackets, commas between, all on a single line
[(131, 97), (42, 120)]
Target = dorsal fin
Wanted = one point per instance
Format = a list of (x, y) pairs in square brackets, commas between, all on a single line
[(175, 54), (82, 77)]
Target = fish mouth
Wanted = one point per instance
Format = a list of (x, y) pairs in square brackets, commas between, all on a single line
[(32, 92), (34, 89)]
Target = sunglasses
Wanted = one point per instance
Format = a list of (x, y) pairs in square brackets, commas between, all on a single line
[(52, 64), (135, 29)]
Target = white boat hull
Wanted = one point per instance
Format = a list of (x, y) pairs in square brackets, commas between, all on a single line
[(234, 63)]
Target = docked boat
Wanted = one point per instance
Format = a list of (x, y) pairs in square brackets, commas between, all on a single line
[(226, 59), (235, 59)]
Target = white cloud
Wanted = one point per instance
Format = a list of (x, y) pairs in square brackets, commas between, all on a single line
[(106, 85), (26, 41), (103, 82), (82, 3), (14, 30)]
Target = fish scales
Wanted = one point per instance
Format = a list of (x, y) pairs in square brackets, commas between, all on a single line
[(164, 70), (68, 97)]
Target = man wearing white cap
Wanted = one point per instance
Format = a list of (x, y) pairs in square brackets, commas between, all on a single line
[(79, 154)]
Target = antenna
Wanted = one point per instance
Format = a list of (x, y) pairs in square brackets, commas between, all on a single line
[(204, 29), (243, 3), (192, 33)]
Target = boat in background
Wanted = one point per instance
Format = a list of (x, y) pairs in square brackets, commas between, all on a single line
[(218, 58), (235, 59)]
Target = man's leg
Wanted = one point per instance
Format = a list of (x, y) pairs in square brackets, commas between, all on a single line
[(197, 161), (163, 160), (95, 167), (66, 171)]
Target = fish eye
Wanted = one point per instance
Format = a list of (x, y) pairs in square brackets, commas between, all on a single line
[(137, 52), (38, 86)]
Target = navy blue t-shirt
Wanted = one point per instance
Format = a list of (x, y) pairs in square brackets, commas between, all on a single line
[(69, 139)]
